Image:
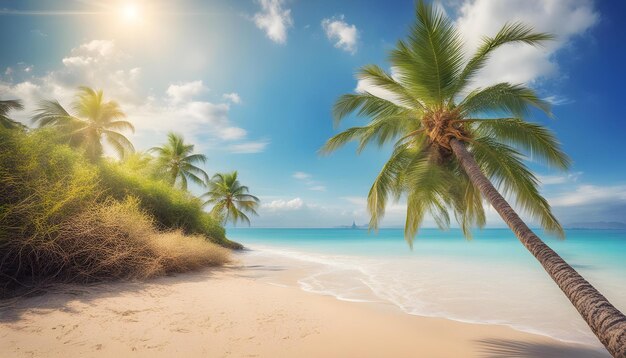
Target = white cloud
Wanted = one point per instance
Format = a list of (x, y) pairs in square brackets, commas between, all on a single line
[(274, 20), (104, 48), (194, 119), (248, 147), (307, 179), (557, 100), (301, 175), (395, 212), (185, 91), (293, 204), (233, 133), (204, 123), (38, 33), (96, 64), (296, 212), (92, 53), (233, 97), (558, 179), (590, 194), (522, 63), (343, 35)]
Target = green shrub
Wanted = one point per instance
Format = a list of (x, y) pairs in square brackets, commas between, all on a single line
[(171, 207), (41, 184), (64, 218)]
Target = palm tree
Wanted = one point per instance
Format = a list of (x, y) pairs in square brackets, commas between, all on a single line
[(142, 163), (95, 120), (177, 161), (230, 199), (451, 149), (6, 107)]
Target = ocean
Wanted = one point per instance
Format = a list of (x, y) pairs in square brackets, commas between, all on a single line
[(490, 279)]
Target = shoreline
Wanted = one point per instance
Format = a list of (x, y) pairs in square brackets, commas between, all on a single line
[(232, 312), (520, 296)]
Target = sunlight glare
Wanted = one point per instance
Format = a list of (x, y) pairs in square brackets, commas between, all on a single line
[(130, 12)]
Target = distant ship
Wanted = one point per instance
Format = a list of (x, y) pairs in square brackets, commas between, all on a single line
[(354, 226)]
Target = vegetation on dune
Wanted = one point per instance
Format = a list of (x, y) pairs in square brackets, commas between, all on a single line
[(170, 207), (63, 218), (454, 146), (120, 240), (231, 200)]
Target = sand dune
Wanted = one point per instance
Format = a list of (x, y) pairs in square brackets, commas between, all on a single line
[(230, 312)]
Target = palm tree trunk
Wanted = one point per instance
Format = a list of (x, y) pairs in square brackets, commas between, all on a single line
[(606, 321)]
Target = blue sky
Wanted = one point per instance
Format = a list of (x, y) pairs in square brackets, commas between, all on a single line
[(251, 83)]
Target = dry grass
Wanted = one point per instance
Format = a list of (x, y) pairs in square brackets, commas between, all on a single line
[(124, 243), (110, 240)]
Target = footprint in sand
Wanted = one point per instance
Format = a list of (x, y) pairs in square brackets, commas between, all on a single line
[(180, 330)]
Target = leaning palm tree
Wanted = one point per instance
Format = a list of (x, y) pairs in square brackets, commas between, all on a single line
[(6, 107), (453, 147), (95, 120), (230, 199), (176, 160)]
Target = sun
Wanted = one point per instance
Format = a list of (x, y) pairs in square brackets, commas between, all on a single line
[(130, 12)]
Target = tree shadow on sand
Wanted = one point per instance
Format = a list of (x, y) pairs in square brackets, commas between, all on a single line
[(57, 296), (504, 348)]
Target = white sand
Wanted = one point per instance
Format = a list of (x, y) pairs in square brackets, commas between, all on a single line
[(231, 312)]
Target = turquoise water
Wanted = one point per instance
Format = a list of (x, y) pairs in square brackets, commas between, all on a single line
[(490, 279)]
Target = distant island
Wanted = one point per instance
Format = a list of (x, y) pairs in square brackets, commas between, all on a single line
[(598, 225)]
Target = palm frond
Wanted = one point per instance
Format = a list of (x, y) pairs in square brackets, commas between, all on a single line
[(431, 60), (52, 113), (198, 172), (537, 140), (381, 130), (240, 216), (388, 182), (247, 206), (428, 187), (509, 33), (339, 140), (504, 166), (120, 143), (367, 105), (196, 158), (182, 179), (378, 77), (10, 105), (247, 197), (503, 98), (195, 178), (467, 203), (121, 125), (7, 106)]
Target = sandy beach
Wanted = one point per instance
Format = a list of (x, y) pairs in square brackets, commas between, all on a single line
[(234, 312)]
